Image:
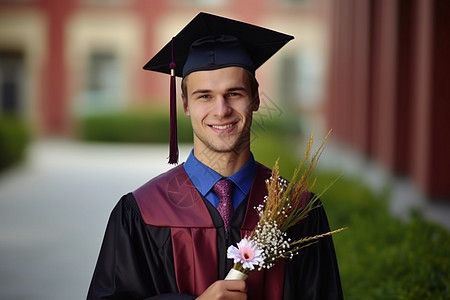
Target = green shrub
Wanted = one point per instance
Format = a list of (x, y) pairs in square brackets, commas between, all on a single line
[(381, 257), (271, 140), (267, 149), (14, 139), (133, 127), (153, 127)]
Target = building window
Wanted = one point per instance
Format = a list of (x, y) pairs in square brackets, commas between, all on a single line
[(301, 79), (101, 65), (310, 70), (301, 84), (288, 80), (12, 82), (103, 83)]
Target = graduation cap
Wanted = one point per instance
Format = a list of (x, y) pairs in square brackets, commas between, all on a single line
[(211, 42)]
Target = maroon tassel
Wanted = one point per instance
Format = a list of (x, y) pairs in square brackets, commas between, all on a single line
[(173, 143)]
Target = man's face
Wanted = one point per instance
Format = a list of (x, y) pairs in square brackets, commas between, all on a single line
[(220, 105)]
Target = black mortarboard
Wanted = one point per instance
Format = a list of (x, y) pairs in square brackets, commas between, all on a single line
[(211, 42)]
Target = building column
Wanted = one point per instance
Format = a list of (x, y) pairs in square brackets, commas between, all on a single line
[(430, 162)]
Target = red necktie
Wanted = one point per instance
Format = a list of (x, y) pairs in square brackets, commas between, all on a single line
[(225, 207)]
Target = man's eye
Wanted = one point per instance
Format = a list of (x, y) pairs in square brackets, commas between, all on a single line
[(234, 95)]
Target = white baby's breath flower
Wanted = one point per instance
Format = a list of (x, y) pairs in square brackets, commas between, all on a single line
[(283, 207)]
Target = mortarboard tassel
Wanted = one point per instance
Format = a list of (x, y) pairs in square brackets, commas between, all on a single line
[(173, 143)]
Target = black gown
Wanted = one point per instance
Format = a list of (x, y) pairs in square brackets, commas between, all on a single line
[(137, 259)]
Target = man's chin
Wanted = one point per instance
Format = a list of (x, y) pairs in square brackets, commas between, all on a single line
[(223, 146), (235, 149)]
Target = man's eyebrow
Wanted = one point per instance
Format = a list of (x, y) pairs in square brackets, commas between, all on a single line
[(237, 88), (204, 91), (207, 91)]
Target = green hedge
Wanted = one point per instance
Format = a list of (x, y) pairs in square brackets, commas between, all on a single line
[(133, 127), (268, 148), (153, 127), (14, 139), (381, 257)]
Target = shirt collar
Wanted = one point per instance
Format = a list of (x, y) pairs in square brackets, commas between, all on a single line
[(243, 178), (204, 178), (201, 175)]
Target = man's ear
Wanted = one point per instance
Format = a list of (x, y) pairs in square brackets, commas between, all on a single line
[(185, 105)]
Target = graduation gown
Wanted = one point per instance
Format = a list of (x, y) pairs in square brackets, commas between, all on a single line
[(165, 241)]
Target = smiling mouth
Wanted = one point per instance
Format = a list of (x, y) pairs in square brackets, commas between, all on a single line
[(222, 127)]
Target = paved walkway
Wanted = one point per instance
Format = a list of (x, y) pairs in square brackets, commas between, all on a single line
[(53, 212), (54, 209)]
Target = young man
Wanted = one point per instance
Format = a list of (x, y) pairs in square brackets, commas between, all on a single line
[(168, 239)]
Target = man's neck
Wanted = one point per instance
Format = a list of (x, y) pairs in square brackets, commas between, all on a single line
[(224, 163)]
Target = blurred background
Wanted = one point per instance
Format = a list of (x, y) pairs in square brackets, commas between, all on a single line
[(81, 123)]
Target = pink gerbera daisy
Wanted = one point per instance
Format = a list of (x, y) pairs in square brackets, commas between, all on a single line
[(246, 253)]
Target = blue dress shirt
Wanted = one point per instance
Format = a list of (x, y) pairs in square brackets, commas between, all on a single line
[(204, 178)]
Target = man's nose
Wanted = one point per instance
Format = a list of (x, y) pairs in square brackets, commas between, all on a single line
[(221, 107)]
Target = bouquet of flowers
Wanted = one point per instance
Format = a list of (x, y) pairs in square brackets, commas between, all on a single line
[(282, 209)]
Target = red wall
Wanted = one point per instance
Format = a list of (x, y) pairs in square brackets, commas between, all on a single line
[(53, 107), (388, 89)]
